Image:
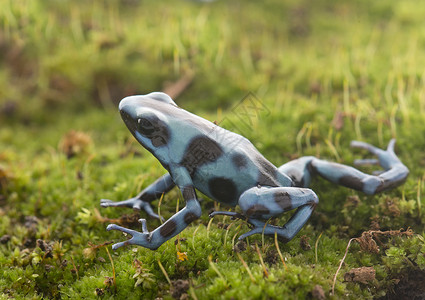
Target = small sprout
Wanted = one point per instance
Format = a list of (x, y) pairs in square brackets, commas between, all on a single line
[(86, 217), (407, 206), (37, 256), (58, 251), (91, 251), (182, 256), (395, 252), (143, 276)]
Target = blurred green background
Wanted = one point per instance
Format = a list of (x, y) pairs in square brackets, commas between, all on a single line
[(327, 71)]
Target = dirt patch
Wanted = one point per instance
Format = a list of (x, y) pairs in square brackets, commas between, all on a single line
[(362, 275), (411, 286), (318, 293), (179, 288)]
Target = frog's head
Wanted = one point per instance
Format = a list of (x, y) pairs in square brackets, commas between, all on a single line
[(146, 118)]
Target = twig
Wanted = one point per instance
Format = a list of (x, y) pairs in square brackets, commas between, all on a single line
[(176, 88), (159, 208), (340, 265), (216, 270), (316, 244), (113, 269), (75, 268), (278, 251), (261, 260), (246, 267), (163, 271)]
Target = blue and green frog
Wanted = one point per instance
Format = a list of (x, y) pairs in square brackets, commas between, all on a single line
[(200, 155)]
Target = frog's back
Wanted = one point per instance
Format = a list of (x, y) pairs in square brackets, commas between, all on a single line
[(222, 164), (225, 165)]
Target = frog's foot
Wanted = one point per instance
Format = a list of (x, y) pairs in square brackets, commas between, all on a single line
[(232, 214), (386, 158), (260, 227), (137, 238), (134, 203)]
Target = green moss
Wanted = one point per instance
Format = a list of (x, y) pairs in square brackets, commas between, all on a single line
[(327, 74)]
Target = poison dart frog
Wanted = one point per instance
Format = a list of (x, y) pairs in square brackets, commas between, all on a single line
[(200, 155)]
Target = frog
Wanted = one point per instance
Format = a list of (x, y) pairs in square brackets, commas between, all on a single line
[(199, 155)]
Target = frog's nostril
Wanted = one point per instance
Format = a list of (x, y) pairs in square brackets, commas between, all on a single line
[(125, 116), (128, 120)]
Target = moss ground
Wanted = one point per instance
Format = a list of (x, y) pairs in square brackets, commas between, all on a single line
[(325, 73)]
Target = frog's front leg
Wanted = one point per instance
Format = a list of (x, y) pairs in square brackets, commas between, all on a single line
[(172, 226), (142, 201), (261, 203)]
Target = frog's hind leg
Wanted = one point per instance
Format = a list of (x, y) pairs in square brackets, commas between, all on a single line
[(262, 203), (142, 201), (299, 170), (394, 173)]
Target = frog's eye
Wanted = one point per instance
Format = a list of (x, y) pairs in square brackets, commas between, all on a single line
[(145, 126)]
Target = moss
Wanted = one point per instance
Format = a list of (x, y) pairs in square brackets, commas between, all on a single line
[(326, 74)]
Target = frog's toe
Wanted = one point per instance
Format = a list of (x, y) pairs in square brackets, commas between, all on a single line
[(232, 214), (137, 238), (132, 202), (391, 145), (144, 227), (256, 230), (123, 229), (106, 202), (362, 145), (366, 162), (120, 244), (114, 227), (143, 205)]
